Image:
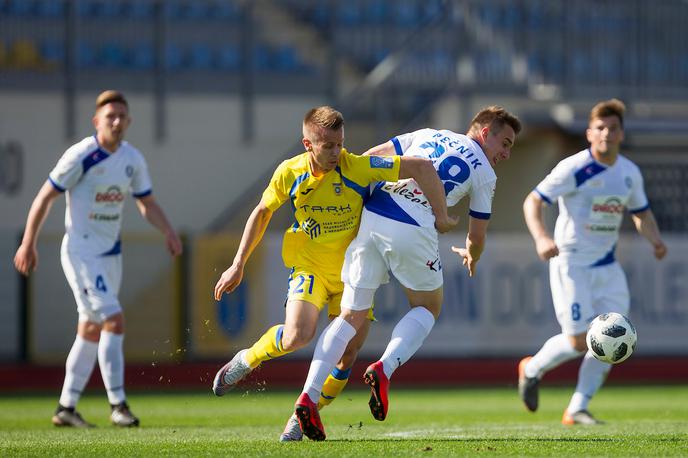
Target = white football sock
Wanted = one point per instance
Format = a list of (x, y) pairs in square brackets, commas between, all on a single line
[(328, 351), (591, 376), (407, 337), (555, 351), (78, 369), (111, 360)]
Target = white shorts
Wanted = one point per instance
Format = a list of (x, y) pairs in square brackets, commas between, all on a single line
[(580, 293), (95, 282), (382, 244)]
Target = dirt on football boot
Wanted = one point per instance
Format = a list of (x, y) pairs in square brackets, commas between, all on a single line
[(292, 431), (121, 416)]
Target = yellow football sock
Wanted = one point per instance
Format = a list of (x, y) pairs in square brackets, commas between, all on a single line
[(269, 346), (334, 384)]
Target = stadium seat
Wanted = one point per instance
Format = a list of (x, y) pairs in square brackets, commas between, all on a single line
[(286, 59), (229, 58), (348, 14), (226, 10), (195, 10), (85, 55), (174, 58), (113, 55), (375, 11), (50, 9), (405, 14), (200, 57), (21, 8), (142, 57), (53, 52), (139, 9), (24, 55), (262, 58)]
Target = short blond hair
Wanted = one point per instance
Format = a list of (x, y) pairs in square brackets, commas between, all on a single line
[(611, 107), (110, 96), (494, 117), (324, 117)]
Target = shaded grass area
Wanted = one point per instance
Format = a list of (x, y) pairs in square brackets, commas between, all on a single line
[(641, 421)]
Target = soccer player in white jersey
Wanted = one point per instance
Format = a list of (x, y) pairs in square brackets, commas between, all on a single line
[(95, 174), (593, 188), (397, 234)]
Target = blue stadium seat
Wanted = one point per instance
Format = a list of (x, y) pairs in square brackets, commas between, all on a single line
[(174, 58), (405, 14), (349, 14), (139, 9), (53, 51), (172, 10), (113, 55), (142, 57), (85, 55), (22, 8), (226, 10), (107, 9), (195, 10), (286, 59), (262, 58), (375, 11), (229, 57), (200, 57), (50, 8)]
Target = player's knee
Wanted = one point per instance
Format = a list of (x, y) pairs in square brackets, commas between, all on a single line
[(89, 330), (578, 343), (296, 338), (114, 324)]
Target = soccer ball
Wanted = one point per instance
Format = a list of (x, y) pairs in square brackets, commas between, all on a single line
[(611, 338)]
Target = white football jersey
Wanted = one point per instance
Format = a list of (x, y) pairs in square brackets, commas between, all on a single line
[(592, 198), (96, 183), (461, 165)]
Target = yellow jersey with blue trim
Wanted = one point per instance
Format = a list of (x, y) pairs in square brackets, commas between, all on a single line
[(326, 208)]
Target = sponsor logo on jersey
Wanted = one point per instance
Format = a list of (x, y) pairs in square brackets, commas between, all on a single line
[(306, 191), (408, 192), (379, 162), (612, 205), (311, 228), (103, 217), (109, 196), (329, 209)]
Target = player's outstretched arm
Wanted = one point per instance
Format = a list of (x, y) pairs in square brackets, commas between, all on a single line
[(154, 214), (422, 170), (475, 244), (26, 258), (646, 225), (532, 211), (253, 233), (385, 149)]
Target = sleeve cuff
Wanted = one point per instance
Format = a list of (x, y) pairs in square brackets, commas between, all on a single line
[(55, 185), (543, 197)]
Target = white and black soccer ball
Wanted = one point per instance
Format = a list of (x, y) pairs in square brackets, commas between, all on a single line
[(611, 338)]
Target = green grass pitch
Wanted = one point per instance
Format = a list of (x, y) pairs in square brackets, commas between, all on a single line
[(641, 421)]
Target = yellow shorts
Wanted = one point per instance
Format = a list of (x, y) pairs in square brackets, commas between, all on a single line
[(307, 285)]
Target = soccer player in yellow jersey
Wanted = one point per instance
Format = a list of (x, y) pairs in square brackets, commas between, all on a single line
[(325, 186)]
